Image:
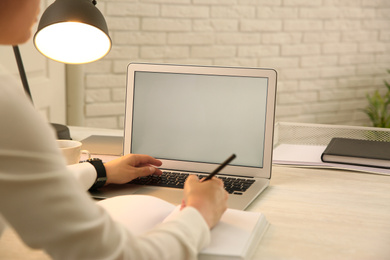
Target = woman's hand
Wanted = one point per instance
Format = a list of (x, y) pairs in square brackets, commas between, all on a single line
[(208, 197), (131, 166)]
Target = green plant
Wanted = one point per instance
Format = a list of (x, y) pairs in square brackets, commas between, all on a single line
[(378, 107)]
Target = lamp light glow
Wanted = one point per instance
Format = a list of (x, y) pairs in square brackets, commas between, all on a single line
[(72, 42), (72, 31)]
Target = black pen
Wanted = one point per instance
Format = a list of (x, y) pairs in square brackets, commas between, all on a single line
[(220, 167)]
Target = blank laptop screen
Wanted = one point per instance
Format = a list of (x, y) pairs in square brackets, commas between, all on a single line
[(199, 118)]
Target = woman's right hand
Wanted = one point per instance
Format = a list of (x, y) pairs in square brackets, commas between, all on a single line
[(208, 197)]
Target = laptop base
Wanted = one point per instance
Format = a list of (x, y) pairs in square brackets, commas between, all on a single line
[(174, 195)]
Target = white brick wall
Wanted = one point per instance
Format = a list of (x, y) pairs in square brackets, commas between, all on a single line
[(328, 53)]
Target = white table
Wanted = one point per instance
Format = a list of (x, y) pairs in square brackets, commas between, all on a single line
[(314, 214)]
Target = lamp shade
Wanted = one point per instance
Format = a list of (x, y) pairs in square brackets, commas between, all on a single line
[(72, 31)]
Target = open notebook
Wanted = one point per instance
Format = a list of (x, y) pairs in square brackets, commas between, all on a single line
[(235, 237), (193, 118)]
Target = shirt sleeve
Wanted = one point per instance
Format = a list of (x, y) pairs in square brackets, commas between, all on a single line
[(49, 208)]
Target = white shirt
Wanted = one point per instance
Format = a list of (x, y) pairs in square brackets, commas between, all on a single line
[(46, 202)]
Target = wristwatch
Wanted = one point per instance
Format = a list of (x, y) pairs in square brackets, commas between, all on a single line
[(101, 173)]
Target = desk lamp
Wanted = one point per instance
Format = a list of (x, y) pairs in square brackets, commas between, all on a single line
[(70, 31)]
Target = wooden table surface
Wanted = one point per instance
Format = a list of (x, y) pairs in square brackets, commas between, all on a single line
[(325, 214)]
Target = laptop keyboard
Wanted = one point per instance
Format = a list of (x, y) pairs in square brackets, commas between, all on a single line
[(176, 180)]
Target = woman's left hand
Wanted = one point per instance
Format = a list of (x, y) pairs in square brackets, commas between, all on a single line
[(131, 166)]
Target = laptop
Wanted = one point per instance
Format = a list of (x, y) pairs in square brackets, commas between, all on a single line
[(193, 118)]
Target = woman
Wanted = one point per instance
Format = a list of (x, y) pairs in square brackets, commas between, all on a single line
[(46, 205)]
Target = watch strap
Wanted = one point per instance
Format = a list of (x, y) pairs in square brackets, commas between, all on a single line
[(101, 177)]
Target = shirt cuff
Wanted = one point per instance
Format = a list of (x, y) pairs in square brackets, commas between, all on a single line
[(197, 226), (85, 174)]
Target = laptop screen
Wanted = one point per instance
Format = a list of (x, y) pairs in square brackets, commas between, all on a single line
[(199, 118)]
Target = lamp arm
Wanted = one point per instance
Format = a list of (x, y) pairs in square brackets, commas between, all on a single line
[(22, 72), (62, 131)]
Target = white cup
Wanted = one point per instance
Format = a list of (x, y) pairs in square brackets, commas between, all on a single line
[(71, 150)]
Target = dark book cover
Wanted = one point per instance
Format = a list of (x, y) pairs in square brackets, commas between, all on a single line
[(359, 152)]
